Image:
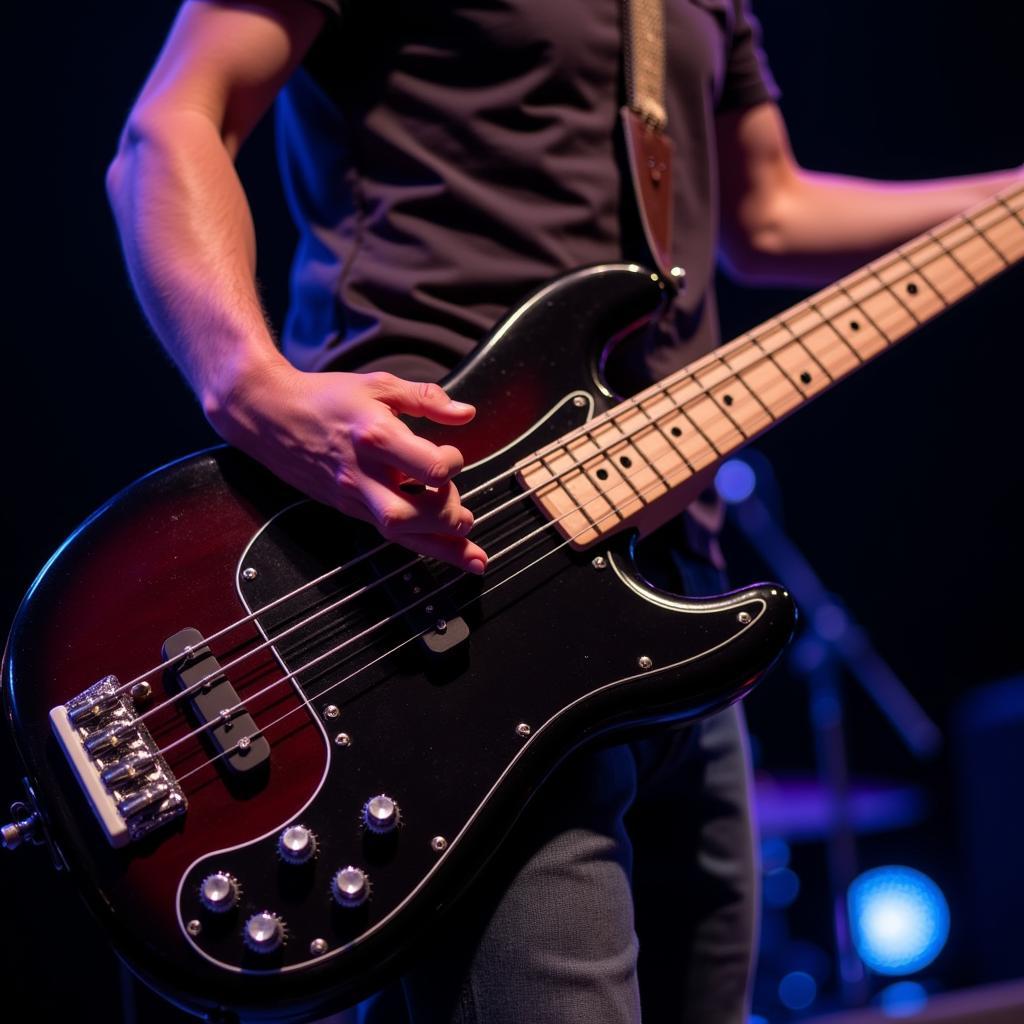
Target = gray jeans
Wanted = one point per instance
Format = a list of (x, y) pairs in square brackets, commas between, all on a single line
[(628, 890)]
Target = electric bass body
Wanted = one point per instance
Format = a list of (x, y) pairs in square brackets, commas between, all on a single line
[(381, 729)]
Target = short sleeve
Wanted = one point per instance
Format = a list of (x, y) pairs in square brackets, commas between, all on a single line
[(748, 78)]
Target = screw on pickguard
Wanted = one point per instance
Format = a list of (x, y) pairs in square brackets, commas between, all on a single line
[(442, 630)]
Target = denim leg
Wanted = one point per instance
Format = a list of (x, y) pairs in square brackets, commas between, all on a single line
[(696, 871), (695, 880), (550, 938)]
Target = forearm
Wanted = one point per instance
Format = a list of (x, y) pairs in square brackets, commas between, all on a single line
[(189, 244), (820, 226)]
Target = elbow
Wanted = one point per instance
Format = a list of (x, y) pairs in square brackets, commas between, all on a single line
[(752, 258), (119, 171)]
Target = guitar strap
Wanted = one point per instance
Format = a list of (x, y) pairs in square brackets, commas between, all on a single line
[(648, 148)]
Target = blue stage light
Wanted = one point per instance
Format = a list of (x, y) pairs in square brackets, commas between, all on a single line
[(774, 854), (797, 990), (903, 999), (735, 481), (899, 919), (780, 888)]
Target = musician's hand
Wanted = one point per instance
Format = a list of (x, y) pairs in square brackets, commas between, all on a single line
[(337, 437)]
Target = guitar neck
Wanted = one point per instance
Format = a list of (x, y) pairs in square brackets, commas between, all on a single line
[(618, 465)]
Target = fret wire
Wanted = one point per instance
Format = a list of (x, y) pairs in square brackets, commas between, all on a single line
[(945, 250), (952, 255), (800, 341), (981, 234), (885, 337), (720, 406), (735, 374), (671, 441), (892, 291), (601, 452), (588, 430), (891, 259), (643, 457), (561, 478), (799, 388), (689, 419), (1013, 213), (901, 252), (835, 330)]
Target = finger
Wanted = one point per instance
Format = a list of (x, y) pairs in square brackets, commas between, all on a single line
[(420, 399), (397, 513), (415, 456), (457, 551)]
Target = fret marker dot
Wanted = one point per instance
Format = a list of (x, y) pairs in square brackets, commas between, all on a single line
[(727, 399), (676, 432), (854, 325), (602, 474), (912, 288), (625, 461), (805, 377)]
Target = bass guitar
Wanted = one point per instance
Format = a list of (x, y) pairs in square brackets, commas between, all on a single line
[(270, 749)]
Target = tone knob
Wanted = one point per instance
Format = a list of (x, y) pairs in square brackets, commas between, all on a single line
[(381, 814), (219, 892), (296, 844), (350, 887), (264, 932)]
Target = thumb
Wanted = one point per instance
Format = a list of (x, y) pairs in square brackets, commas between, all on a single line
[(428, 400)]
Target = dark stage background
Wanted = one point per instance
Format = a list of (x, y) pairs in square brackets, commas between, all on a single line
[(904, 487)]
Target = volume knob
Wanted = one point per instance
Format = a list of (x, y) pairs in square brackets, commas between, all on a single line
[(296, 844), (264, 932), (381, 814), (350, 887), (219, 892)]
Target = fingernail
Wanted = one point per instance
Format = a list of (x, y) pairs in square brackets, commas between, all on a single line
[(476, 567), (465, 525), (459, 406)]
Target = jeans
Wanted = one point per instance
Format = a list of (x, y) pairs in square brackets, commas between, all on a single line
[(627, 890)]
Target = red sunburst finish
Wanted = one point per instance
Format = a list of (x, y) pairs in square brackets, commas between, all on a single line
[(164, 560)]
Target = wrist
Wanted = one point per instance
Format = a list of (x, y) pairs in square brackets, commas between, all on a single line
[(228, 394)]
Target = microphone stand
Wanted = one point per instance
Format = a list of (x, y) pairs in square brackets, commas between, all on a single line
[(830, 642)]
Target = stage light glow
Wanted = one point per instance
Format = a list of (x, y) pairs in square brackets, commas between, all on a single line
[(902, 999), (780, 888), (899, 919), (774, 854), (735, 481), (797, 990)]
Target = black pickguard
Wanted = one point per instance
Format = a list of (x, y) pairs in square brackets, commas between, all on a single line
[(441, 735), (555, 647)]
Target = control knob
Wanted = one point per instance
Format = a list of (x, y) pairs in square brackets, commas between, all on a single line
[(296, 844), (219, 892), (350, 887), (264, 932), (381, 814)]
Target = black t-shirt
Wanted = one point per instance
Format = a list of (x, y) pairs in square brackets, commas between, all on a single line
[(444, 159)]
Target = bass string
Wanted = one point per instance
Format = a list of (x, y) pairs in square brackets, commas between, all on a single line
[(634, 403), (836, 343), (228, 713), (308, 701), (785, 319), (614, 509)]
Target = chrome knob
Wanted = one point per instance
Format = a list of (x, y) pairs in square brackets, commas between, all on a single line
[(219, 892), (296, 844), (350, 887), (381, 814), (264, 932)]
